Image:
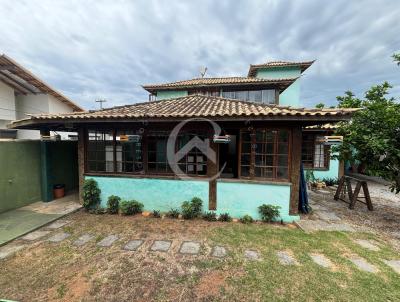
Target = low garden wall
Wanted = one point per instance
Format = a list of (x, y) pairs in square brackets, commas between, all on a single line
[(237, 199)]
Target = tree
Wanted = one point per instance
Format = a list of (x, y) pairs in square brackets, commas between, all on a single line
[(396, 58), (320, 105), (373, 135)]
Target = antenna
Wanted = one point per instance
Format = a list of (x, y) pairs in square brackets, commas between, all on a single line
[(101, 101), (203, 71)]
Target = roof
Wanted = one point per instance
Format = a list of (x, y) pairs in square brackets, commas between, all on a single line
[(303, 66), (218, 82), (24, 82), (193, 106)]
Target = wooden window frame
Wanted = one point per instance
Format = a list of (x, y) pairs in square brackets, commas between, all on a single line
[(275, 154), (327, 153)]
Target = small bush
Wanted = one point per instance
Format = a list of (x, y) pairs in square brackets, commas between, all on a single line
[(113, 204), (97, 210), (192, 209), (131, 207), (90, 194), (246, 219), (210, 216), (330, 181), (173, 213), (268, 212), (225, 217), (156, 214)]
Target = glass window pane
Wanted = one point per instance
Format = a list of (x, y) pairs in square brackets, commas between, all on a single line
[(268, 96), (242, 95), (245, 171), (255, 96)]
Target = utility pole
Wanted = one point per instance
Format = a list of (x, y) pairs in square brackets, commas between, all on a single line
[(101, 101)]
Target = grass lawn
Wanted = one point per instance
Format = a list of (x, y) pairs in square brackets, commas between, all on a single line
[(47, 271)]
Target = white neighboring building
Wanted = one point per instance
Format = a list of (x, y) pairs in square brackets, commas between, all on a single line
[(22, 93)]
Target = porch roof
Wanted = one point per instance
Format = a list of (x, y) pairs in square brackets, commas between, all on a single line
[(193, 106), (281, 84)]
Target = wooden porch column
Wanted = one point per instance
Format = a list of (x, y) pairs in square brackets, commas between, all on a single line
[(81, 160), (295, 170), (212, 169)]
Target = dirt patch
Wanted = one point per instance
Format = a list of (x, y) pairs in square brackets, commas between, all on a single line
[(211, 284)]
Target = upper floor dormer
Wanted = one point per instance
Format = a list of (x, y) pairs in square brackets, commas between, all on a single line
[(269, 83)]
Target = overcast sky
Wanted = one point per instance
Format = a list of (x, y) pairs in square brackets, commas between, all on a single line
[(107, 49)]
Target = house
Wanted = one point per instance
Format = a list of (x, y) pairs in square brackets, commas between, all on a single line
[(275, 83), (22, 93), (229, 141)]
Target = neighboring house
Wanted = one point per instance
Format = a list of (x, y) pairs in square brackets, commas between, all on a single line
[(139, 151), (22, 93), (276, 83)]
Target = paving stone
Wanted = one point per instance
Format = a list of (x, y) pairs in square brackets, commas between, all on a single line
[(108, 241), (363, 265), (320, 225), (85, 238), (367, 244), (285, 258), (327, 216), (321, 260), (252, 255), (394, 264), (133, 245), (161, 245), (57, 224), (35, 235), (59, 237), (190, 247), (218, 251), (10, 249)]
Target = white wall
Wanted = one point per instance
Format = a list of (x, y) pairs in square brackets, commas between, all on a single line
[(7, 102), (56, 106), (31, 103)]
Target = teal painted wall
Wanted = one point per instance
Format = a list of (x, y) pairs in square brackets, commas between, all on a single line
[(155, 194), (239, 199), (161, 95), (291, 95), (333, 171), (19, 174)]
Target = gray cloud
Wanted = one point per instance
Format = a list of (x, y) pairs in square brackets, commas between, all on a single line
[(93, 49)]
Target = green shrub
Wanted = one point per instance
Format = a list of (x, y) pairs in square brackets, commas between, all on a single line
[(130, 207), (225, 217), (173, 213), (97, 210), (210, 216), (192, 209), (247, 219), (156, 214), (90, 194), (113, 204), (268, 212), (330, 181)]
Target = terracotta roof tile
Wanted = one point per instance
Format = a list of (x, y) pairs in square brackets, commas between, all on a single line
[(209, 82), (195, 106), (253, 68)]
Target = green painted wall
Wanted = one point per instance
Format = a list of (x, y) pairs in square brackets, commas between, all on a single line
[(333, 171), (161, 95), (19, 174), (237, 199), (291, 95), (63, 156)]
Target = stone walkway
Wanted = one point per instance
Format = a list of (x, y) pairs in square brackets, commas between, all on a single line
[(188, 248)]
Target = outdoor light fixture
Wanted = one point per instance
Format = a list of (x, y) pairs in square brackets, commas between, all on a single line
[(221, 139), (133, 138)]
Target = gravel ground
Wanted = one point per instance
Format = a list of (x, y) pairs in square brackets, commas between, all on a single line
[(384, 220)]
